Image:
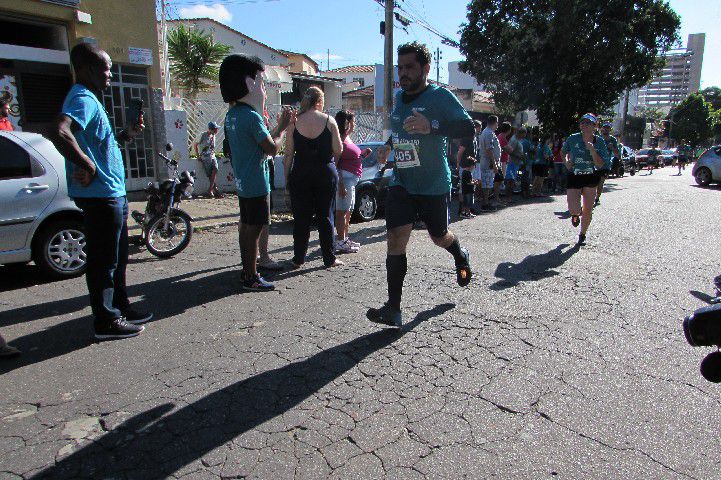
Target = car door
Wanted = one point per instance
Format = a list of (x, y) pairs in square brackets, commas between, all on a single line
[(27, 186)]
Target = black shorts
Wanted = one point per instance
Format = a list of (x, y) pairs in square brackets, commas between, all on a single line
[(576, 182), (603, 173), (254, 210), (402, 208), (540, 170), (682, 159), (466, 182)]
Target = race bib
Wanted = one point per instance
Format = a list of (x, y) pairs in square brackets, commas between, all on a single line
[(406, 155)]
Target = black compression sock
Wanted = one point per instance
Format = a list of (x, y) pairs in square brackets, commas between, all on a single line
[(455, 250), (396, 268)]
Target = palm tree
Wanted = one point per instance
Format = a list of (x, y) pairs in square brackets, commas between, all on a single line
[(194, 59)]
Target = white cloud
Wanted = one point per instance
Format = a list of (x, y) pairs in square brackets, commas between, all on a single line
[(324, 56), (216, 11)]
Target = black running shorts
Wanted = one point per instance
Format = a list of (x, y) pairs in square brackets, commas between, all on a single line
[(402, 208), (575, 182), (254, 210)]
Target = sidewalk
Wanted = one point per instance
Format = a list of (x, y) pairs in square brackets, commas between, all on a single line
[(208, 212)]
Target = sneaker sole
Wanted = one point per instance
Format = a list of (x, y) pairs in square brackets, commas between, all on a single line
[(379, 321), (116, 336), (256, 289)]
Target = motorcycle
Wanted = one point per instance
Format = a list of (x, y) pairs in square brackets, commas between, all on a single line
[(166, 229)]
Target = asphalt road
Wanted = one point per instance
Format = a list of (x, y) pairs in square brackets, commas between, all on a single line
[(555, 363)]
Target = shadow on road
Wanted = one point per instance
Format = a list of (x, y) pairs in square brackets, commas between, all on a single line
[(148, 446), (532, 268), (166, 297)]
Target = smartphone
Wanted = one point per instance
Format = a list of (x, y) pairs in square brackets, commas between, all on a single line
[(134, 111)]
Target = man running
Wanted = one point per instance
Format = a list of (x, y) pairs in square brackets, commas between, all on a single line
[(613, 150), (684, 153), (423, 118)]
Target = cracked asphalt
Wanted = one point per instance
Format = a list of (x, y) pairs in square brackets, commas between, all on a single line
[(556, 362)]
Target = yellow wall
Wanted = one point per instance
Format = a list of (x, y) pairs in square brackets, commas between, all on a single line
[(117, 25), (299, 64)]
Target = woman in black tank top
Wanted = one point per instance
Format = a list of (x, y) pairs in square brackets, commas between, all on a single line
[(312, 179)]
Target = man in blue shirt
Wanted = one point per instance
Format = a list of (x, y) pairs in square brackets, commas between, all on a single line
[(423, 118), (250, 142), (96, 182)]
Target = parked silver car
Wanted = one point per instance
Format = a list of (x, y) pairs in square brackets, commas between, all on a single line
[(707, 168), (38, 221)]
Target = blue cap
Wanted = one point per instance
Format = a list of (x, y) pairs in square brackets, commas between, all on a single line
[(213, 126), (607, 124), (590, 117)]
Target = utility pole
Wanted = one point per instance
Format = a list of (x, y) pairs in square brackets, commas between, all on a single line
[(438, 56), (388, 70), (166, 62), (328, 60), (624, 115)]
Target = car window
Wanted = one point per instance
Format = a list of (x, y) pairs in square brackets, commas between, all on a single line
[(371, 159), (14, 160)]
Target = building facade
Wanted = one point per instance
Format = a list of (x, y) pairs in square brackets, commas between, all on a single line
[(36, 37), (362, 75), (460, 79), (680, 77)]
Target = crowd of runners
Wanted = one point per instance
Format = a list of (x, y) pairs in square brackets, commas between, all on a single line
[(322, 167)]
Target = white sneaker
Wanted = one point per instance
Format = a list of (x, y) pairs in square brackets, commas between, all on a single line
[(346, 247), (269, 264), (355, 244)]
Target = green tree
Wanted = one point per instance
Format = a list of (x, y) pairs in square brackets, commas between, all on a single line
[(194, 59), (565, 57), (693, 120), (713, 96)]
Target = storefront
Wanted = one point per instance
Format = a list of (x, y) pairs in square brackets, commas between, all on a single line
[(36, 37)]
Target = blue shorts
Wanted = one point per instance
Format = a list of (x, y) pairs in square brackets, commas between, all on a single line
[(512, 171), (344, 203)]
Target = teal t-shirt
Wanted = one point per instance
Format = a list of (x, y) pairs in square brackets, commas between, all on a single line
[(581, 156), (245, 130), (611, 142), (431, 176), (528, 150), (97, 140), (543, 154)]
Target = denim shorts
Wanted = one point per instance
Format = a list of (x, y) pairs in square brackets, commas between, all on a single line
[(344, 203)]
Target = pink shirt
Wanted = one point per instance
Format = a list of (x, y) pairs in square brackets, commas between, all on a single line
[(503, 141), (350, 159)]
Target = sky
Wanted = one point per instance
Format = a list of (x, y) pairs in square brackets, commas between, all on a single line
[(350, 28)]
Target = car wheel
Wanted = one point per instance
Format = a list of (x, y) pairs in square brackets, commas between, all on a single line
[(366, 206), (59, 249), (703, 176)]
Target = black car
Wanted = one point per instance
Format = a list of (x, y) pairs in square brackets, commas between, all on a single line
[(370, 196)]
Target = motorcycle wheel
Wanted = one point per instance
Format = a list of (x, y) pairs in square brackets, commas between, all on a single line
[(164, 241)]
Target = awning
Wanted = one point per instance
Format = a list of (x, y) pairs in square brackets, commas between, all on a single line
[(278, 77)]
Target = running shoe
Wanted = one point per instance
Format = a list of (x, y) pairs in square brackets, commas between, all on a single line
[(467, 215), (115, 329), (269, 264), (385, 316), (598, 202), (575, 220), (256, 283), (463, 270), (581, 239), (355, 244), (345, 247)]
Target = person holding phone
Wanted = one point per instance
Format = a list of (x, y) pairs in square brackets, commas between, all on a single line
[(585, 153), (96, 182), (350, 169)]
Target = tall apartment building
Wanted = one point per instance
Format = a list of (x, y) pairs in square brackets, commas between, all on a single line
[(680, 77)]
